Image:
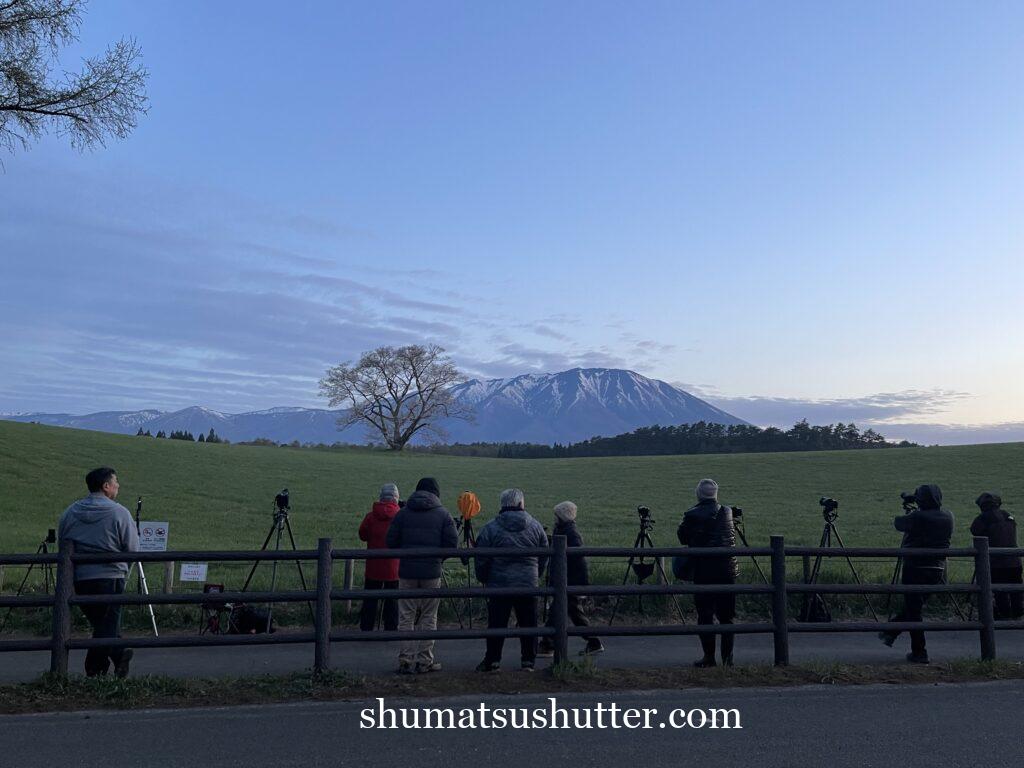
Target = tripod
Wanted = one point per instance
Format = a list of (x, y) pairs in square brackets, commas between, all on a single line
[(952, 598), (278, 527), (47, 569), (815, 608), (468, 541), (738, 526), (143, 584), (641, 567)]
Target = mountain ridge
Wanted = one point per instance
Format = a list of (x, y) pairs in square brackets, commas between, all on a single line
[(563, 407)]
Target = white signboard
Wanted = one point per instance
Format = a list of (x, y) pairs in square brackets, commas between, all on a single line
[(152, 537), (193, 572)]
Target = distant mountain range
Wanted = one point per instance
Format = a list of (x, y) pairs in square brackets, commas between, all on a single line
[(537, 408)]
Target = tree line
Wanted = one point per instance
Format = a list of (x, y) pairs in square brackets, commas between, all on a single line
[(181, 434), (697, 438)]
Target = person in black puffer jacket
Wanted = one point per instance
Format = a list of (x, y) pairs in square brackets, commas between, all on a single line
[(1001, 530), (422, 522), (710, 524), (577, 575), (928, 527)]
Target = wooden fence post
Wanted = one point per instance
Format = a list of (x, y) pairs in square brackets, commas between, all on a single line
[(169, 577), (347, 583), (63, 589), (324, 566), (560, 601), (779, 608), (986, 614)]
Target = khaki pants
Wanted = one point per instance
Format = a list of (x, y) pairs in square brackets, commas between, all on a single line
[(417, 613)]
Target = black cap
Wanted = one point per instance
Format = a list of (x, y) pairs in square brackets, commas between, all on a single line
[(429, 485)]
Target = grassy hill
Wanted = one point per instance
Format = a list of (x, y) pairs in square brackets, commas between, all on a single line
[(221, 496)]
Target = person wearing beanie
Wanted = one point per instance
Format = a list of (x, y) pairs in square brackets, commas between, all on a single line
[(380, 573), (930, 526), (710, 524), (1001, 530), (577, 575), (514, 527), (422, 522)]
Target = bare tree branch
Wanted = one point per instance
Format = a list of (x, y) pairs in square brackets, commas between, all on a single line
[(104, 99)]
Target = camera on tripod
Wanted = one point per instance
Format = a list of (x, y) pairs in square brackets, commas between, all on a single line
[(829, 508), (909, 502), (646, 521), (282, 505)]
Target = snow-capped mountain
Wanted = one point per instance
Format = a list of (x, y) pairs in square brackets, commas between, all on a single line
[(538, 408), (575, 405)]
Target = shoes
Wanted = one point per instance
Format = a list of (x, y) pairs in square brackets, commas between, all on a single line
[(545, 650), (917, 658), (405, 668), (526, 666), (121, 668), (422, 669), (887, 637), (705, 662), (488, 666), (727, 660), (592, 648)]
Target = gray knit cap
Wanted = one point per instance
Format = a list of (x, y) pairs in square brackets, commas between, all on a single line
[(389, 492), (707, 489), (565, 511)]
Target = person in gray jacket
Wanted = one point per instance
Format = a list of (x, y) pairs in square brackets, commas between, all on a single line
[(514, 527), (98, 523), (422, 522)]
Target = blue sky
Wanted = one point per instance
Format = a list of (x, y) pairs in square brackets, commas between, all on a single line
[(790, 209)]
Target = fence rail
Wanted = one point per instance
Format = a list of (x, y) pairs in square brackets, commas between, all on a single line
[(778, 588)]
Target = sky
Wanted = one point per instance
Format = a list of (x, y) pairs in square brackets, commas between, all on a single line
[(790, 209)]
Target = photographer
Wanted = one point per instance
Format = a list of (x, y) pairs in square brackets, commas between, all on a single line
[(97, 524), (927, 527), (1001, 530), (710, 524), (380, 573)]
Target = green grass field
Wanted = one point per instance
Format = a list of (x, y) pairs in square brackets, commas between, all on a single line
[(221, 496)]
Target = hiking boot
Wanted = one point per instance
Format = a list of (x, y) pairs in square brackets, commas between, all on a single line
[(545, 649), (917, 658), (887, 637), (526, 666), (405, 668), (121, 668), (705, 662), (592, 648), (488, 666), (422, 669)]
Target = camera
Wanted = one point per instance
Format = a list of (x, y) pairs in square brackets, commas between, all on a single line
[(646, 521), (829, 508), (909, 502), (737, 512), (282, 502)]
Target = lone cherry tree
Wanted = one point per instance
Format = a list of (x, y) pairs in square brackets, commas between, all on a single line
[(397, 392)]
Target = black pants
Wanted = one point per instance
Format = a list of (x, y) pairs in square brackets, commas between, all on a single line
[(105, 621), (711, 607), (368, 613), (499, 611), (913, 604), (576, 616), (1008, 605)]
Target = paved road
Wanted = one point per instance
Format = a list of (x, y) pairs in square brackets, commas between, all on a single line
[(381, 658), (790, 727)]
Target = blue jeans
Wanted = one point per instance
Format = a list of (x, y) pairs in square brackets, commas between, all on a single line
[(105, 621)]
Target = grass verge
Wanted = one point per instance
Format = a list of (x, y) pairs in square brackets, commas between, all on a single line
[(53, 694)]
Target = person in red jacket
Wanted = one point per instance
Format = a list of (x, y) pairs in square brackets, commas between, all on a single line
[(380, 573)]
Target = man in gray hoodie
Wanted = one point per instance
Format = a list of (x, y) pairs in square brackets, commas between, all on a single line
[(98, 523), (514, 527)]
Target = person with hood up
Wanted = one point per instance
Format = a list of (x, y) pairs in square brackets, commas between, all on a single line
[(927, 527), (577, 575), (97, 524), (422, 522), (1001, 530), (512, 528), (710, 524), (381, 573)]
